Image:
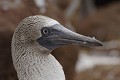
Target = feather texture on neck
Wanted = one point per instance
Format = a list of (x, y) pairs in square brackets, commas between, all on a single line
[(33, 62)]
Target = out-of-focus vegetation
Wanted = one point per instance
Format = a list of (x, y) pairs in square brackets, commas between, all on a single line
[(98, 18)]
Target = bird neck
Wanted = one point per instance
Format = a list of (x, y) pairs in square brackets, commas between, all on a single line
[(36, 63)]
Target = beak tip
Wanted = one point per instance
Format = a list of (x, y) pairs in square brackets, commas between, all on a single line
[(95, 43), (99, 43)]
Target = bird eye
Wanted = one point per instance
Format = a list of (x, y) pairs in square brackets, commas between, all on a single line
[(45, 31)]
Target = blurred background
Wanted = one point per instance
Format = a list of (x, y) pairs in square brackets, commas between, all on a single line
[(94, 18)]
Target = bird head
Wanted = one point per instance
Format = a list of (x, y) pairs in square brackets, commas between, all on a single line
[(51, 34)]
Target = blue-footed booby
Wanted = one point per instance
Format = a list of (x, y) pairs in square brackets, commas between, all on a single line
[(32, 42)]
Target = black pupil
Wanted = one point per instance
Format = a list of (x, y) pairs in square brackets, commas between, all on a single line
[(45, 31)]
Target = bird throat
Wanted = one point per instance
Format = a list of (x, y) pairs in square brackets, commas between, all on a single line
[(35, 64)]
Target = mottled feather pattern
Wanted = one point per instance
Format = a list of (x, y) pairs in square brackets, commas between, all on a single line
[(32, 61)]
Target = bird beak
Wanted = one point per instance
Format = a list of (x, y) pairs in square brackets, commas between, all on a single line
[(62, 36)]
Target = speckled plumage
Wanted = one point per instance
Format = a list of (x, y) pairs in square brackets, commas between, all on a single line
[(32, 61), (32, 42)]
